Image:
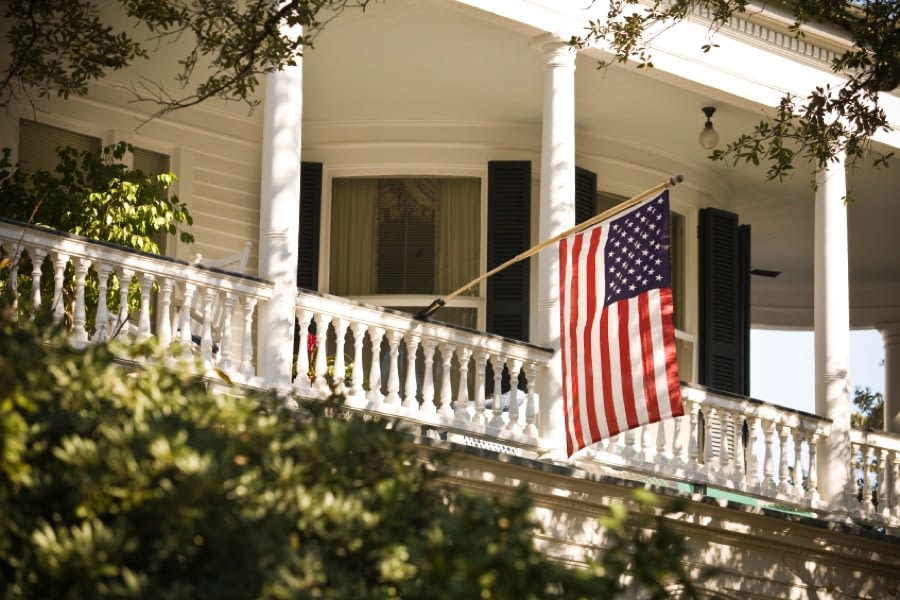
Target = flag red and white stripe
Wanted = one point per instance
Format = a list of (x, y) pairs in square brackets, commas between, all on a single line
[(617, 329)]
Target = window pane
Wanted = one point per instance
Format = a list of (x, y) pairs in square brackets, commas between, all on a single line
[(404, 235), (38, 144)]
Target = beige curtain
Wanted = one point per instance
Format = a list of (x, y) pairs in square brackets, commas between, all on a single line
[(458, 233), (353, 229)]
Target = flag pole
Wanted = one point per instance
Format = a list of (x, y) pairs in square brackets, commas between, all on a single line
[(606, 214)]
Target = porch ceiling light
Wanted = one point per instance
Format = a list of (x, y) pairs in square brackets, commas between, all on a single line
[(709, 137)]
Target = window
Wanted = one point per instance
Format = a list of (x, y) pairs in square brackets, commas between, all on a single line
[(407, 240), (38, 143)]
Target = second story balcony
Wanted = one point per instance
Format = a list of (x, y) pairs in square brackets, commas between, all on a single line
[(450, 383)]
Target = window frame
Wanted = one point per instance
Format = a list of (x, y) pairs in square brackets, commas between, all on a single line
[(477, 301)]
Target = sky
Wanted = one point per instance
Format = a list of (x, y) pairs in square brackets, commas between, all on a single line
[(782, 366)]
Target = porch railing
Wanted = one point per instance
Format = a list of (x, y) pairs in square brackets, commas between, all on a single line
[(459, 384), (194, 306), (457, 381), (383, 360)]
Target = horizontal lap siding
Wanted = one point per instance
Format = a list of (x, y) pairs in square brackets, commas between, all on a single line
[(225, 205)]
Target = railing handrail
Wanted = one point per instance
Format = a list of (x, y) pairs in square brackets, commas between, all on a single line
[(878, 439), (781, 415), (75, 246), (398, 320)]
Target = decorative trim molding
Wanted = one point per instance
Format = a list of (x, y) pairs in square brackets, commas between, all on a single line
[(767, 29)]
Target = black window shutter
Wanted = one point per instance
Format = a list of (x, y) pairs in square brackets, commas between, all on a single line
[(509, 234), (310, 209), (585, 194), (724, 302)]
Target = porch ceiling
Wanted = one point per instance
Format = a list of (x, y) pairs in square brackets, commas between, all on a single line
[(434, 60)]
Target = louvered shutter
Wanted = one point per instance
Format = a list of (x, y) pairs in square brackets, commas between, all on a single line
[(585, 194), (310, 209), (724, 302), (38, 143), (509, 234)]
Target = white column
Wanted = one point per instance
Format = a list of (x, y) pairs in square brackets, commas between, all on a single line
[(832, 333), (279, 216), (555, 215), (890, 334)]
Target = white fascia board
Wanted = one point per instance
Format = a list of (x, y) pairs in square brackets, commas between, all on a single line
[(747, 69)]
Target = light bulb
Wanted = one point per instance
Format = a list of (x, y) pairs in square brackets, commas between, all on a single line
[(708, 137)]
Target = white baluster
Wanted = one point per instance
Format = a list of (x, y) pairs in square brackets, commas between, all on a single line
[(868, 457), (247, 369), (894, 504), (339, 369), (497, 363), (446, 410), (359, 337), (411, 388), (320, 384), (37, 261), (883, 479), (101, 319), (752, 457), (184, 317), (662, 449), (225, 344), (783, 486), (678, 440), (531, 370), (852, 491), (15, 256), (768, 483), (428, 406), (512, 424), (646, 449), (737, 447), (709, 418), (79, 333), (797, 488), (59, 273), (375, 397), (724, 454), (812, 480), (303, 353), (462, 392), (125, 276), (393, 381), (164, 316), (630, 439), (481, 358), (694, 439), (206, 341), (144, 316)]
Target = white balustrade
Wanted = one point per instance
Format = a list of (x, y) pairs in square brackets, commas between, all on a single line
[(429, 373), (165, 286), (472, 386)]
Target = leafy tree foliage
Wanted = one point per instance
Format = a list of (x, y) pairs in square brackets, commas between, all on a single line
[(869, 409), (139, 482), (813, 130), (60, 47), (96, 196)]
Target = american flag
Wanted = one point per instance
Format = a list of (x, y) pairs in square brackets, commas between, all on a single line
[(616, 325)]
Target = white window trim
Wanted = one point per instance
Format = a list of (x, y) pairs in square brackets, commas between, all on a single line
[(329, 173)]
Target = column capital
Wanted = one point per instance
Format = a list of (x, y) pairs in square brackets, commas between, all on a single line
[(557, 50), (889, 330)]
